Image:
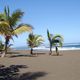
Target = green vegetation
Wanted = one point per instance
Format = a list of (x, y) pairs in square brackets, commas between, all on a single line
[(34, 41), (55, 41), (1, 46), (50, 41), (9, 25)]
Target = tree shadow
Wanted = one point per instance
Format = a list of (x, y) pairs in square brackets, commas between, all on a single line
[(1, 66), (32, 75), (57, 55), (22, 55), (13, 73), (38, 53), (19, 54), (13, 52)]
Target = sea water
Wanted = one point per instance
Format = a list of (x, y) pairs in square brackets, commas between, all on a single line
[(66, 46)]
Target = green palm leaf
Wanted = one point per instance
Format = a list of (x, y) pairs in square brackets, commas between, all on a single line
[(49, 36), (2, 17), (34, 40), (6, 13), (57, 40), (60, 43), (4, 28), (57, 36), (4, 24), (15, 17), (23, 28)]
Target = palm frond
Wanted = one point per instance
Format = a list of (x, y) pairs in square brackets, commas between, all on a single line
[(57, 36), (5, 28), (6, 12), (15, 17), (2, 17), (60, 43), (38, 40), (9, 46), (57, 40), (23, 28), (48, 34), (38, 37), (34, 40), (4, 24)]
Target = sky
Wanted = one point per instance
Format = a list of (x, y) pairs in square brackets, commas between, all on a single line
[(59, 16)]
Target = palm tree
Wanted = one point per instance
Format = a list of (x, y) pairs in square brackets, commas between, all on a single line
[(55, 40), (34, 41), (50, 41), (9, 25)]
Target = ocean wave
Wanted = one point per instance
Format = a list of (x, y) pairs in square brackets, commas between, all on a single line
[(63, 48), (70, 46)]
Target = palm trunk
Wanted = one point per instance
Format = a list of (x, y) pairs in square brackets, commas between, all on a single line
[(57, 51), (6, 46), (31, 51), (50, 49), (5, 50)]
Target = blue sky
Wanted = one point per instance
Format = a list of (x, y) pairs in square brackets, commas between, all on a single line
[(59, 16)]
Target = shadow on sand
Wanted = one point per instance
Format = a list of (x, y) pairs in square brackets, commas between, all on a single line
[(22, 55), (13, 73), (18, 54), (32, 75)]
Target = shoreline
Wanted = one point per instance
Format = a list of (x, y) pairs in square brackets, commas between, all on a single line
[(43, 50), (47, 49)]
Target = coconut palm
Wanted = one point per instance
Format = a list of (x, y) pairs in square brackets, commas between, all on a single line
[(9, 25), (55, 40), (50, 41), (34, 41)]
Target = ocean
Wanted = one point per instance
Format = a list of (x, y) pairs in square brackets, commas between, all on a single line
[(66, 46)]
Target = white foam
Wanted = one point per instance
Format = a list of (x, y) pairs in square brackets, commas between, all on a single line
[(69, 48), (44, 48)]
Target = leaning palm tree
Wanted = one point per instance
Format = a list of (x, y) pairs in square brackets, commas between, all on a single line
[(34, 41), (9, 25), (50, 41), (55, 40)]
